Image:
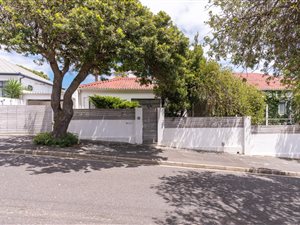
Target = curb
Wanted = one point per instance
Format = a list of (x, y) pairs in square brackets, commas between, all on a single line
[(81, 156)]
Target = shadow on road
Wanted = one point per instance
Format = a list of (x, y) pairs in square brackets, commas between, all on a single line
[(86, 147), (213, 198), (40, 165)]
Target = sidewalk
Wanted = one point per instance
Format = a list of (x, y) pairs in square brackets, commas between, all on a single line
[(145, 154)]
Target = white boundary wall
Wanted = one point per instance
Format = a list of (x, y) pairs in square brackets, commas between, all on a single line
[(210, 134), (278, 141), (25, 119), (11, 101), (111, 127)]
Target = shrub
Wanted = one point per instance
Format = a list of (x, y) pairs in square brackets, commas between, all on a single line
[(47, 139), (109, 102), (13, 89)]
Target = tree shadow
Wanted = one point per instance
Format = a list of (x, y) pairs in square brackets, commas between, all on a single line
[(87, 147), (40, 165), (214, 198), (50, 165)]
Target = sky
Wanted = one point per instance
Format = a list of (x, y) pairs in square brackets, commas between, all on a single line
[(188, 15)]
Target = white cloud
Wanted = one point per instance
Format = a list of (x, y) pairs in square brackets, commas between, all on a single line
[(188, 15)]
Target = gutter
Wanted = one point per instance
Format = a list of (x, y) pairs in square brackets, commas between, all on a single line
[(23, 76)]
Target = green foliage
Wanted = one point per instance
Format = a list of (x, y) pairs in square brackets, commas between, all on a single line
[(296, 104), (221, 94), (273, 99), (92, 36), (13, 89), (47, 139), (109, 102), (257, 31), (38, 73), (208, 90)]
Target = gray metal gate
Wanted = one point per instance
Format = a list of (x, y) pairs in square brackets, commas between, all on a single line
[(149, 125)]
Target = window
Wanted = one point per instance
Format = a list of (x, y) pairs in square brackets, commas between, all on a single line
[(2, 85), (282, 108)]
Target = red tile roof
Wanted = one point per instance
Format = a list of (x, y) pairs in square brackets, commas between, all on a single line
[(262, 81), (118, 83)]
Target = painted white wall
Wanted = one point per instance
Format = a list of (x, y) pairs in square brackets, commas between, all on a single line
[(38, 87), (278, 144), (106, 130), (83, 95), (211, 139), (11, 101), (32, 96)]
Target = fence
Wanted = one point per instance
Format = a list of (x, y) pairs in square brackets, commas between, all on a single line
[(279, 141), (122, 125), (11, 101), (25, 119), (211, 134), (231, 135)]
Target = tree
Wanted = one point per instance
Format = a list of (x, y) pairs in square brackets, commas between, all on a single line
[(257, 31), (13, 89), (87, 36), (206, 89)]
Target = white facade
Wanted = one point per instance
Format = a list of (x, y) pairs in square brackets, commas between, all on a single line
[(37, 89), (83, 95)]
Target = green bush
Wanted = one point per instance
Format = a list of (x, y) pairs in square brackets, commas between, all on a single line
[(109, 102), (47, 139)]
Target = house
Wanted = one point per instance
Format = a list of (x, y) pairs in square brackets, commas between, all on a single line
[(37, 89), (127, 88), (278, 95)]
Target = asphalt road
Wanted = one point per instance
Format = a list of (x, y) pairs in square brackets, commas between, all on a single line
[(53, 191)]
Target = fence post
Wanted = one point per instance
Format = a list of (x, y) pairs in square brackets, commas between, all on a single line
[(138, 125), (267, 115), (247, 134), (160, 124)]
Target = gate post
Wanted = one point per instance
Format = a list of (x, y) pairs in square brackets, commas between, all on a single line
[(160, 124), (138, 126), (247, 134)]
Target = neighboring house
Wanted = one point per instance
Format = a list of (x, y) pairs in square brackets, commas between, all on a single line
[(278, 95), (37, 89), (127, 88)]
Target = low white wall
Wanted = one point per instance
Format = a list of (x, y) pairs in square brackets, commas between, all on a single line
[(11, 101), (211, 139), (109, 125), (285, 145), (105, 130)]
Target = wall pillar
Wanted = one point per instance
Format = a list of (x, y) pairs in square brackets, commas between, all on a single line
[(247, 135), (160, 124), (138, 126)]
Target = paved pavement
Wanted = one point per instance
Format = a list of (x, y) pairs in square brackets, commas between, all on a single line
[(38, 190), (160, 154)]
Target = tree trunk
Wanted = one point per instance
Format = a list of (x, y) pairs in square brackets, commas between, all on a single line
[(63, 111), (61, 123)]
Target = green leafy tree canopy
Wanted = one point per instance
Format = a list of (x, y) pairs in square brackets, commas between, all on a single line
[(88, 36), (260, 31)]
